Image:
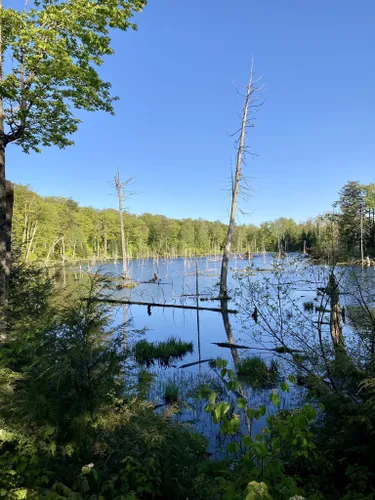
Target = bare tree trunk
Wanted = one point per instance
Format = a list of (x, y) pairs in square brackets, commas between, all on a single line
[(335, 314), (63, 250), (30, 241), (119, 188), (105, 246), (235, 189), (362, 252), (25, 225)]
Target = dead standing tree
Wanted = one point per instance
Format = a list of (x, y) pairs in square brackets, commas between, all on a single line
[(252, 100), (121, 193)]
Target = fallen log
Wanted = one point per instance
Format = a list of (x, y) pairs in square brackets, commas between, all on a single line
[(279, 350), (155, 304), (195, 363)]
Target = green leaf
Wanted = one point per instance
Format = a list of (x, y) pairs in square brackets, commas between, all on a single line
[(250, 412), (257, 491), (203, 392), (223, 372), (241, 403), (276, 444), (234, 424), (212, 398), (292, 379), (233, 447), (284, 387), (221, 363), (20, 494), (247, 440), (262, 410), (275, 398)]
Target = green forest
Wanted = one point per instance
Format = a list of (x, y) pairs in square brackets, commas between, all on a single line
[(50, 229)]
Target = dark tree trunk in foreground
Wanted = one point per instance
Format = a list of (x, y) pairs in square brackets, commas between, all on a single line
[(6, 200), (6, 213)]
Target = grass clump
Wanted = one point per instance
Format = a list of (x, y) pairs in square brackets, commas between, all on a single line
[(171, 394), (308, 306), (254, 371), (163, 353)]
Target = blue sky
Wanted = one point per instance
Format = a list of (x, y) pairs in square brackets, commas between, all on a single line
[(178, 106)]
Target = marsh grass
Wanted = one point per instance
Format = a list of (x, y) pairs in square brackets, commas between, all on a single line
[(162, 353), (308, 306), (255, 372), (171, 393)]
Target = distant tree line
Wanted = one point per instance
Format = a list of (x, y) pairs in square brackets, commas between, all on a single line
[(51, 229)]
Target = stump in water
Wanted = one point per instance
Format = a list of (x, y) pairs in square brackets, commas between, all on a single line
[(335, 314)]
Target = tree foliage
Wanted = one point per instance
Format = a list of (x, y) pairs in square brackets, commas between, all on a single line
[(51, 53)]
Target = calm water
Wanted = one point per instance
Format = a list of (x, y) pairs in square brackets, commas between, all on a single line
[(178, 286)]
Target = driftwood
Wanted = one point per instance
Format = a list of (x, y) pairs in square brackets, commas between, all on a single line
[(195, 363), (155, 304), (280, 350)]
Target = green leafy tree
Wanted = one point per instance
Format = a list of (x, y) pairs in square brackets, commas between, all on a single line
[(55, 48), (352, 205)]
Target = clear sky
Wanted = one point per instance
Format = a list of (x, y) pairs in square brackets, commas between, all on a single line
[(178, 106)]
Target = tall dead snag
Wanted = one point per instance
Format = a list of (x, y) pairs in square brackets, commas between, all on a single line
[(335, 313), (251, 100), (120, 189)]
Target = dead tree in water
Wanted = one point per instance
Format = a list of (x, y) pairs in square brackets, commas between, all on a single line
[(335, 313), (251, 101), (120, 187)]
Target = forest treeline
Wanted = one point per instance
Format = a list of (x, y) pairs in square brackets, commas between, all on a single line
[(57, 229)]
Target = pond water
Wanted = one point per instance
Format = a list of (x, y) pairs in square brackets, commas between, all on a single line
[(179, 279)]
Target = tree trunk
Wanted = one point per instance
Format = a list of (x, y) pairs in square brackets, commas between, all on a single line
[(105, 247), (6, 212), (29, 243), (63, 250), (235, 354), (362, 250), (4, 228), (235, 190), (119, 188), (335, 314)]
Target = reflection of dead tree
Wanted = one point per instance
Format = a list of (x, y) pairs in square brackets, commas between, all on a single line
[(229, 333), (251, 101), (197, 304), (125, 319), (234, 352)]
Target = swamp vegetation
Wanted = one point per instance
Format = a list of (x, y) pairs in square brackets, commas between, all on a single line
[(77, 420)]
